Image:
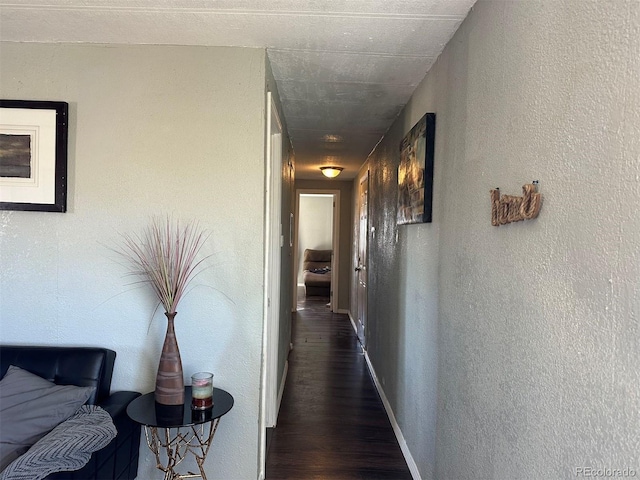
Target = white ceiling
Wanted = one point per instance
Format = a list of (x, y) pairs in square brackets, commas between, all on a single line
[(344, 68)]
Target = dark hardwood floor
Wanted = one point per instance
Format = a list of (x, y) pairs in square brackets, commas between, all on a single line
[(332, 424)]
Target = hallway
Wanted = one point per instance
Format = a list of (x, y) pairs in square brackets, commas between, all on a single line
[(332, 424)]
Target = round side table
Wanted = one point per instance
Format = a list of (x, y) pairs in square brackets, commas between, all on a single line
[(179, 430)]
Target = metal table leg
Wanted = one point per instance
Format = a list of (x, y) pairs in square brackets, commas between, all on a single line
[(194, 440)]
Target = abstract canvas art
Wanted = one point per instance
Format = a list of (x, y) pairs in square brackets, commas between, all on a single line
[(415, 172)]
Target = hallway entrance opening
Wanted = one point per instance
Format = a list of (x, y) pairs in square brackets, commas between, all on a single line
[(332, 421), (317, 228)]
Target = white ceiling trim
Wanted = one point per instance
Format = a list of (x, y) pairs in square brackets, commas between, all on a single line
[(351, 52), (211, 11), (231, 11)]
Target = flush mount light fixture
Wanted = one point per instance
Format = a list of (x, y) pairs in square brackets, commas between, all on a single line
[(331, 172), (332, 138)]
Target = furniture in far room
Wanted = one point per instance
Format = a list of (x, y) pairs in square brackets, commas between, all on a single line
[(317, 272), (45, 377), (179, 430)]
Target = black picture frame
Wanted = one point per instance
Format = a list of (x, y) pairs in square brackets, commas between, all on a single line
[(33, 155), (415, 172)]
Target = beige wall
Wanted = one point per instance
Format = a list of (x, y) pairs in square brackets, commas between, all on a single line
[(153, 130), (512, 352)]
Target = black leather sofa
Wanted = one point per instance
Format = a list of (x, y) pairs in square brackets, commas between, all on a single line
[(84, 367)]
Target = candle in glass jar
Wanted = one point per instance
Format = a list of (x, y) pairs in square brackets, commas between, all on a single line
[(202, 390)]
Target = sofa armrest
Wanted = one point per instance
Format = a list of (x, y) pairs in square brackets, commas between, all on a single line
[(121, 460), (116, 403)]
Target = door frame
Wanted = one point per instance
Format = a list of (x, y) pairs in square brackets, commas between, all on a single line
[(335, 244), (357, 324), (273, 243)]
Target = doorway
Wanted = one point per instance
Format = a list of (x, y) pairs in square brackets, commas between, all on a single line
[(317, 227)]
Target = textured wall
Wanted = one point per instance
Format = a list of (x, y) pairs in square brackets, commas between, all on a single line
[(402, 320), (153, 130), (537, 322)]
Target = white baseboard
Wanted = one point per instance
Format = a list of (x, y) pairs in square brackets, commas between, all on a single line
[(413, 467), (281, 390), (353, 323), (262, 473)]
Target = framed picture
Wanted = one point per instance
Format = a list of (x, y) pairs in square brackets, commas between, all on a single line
[(33, 155), (415, 172)]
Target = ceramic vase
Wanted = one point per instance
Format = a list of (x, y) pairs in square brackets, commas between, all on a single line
[(169, 380)]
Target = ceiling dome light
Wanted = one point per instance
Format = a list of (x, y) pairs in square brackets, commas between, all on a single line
[(331, 172)]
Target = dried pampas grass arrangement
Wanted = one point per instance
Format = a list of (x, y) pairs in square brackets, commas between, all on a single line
[(165, 255)]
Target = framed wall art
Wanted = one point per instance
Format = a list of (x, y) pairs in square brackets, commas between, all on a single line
[(33, 155), (415, 172)]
